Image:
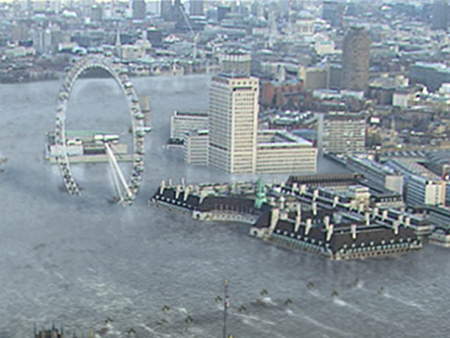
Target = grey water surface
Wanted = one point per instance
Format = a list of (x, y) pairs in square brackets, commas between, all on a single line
[(79, 260)]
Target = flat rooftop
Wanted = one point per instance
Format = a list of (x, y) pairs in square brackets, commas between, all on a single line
[(279, 137), (416, 168), (191, 113)]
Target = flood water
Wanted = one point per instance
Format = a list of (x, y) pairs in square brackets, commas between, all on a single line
[(77, 261)]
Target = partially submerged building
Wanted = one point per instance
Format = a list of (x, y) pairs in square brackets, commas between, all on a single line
[(339, 225), (345, 239)]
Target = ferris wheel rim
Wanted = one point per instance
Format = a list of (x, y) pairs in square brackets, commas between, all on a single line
[(134, 109)]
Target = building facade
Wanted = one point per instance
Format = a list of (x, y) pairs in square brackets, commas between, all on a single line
[(233, 123), (332, 12), (236, 62), (314, 77), (166, 10), (196, 8), (432, 75), (422, 186), (280, 152), (184, 122), (377, 173), (439, 17), (138, 8), (422, 191), (196, 147), (343, 132), (355, 59)]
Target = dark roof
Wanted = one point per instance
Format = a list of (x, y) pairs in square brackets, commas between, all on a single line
[(235, 203), (192, 201), (321, 213), (344, 117), (325, 179), (367, 234), (316, 232), (342, 234), (264, 219)]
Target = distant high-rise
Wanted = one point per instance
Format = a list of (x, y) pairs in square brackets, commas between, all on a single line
[(233, 123), (257, 9), (138, 7), (196, 8), (30, 7), (97, 12), (439, 17), (42, 40), (20, 31), (332, 12), (355, 59), (235, 143), (285, 7), (167, 10), (222, 12)]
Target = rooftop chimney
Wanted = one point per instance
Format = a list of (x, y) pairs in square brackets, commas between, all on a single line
[(298, 218), (203, 194), (330, 232), (326, 221), (395, 226), (353, 227), (335, 201), (302, 189), (187, 190), (282, 202), (274, 217), (361, 207), (162, 187), (314, 208), (367, 216), (308, 226), (375, 211), (315, 194)]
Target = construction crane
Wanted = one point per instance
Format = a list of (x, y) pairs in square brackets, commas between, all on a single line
[(195, 36)]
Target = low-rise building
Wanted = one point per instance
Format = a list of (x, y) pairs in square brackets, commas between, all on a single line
[(422, 185), (86, 146), (196, 147), (184, 122), (377, 173), (342, 132), (346, 239), (283, 152), (132, 52), (338, 225), (236, 62), (314, 77)]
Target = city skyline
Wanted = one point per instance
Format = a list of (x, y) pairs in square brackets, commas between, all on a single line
[(242, 168)]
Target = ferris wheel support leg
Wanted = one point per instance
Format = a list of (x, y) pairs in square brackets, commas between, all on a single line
[(116, 182), (118, 171)]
